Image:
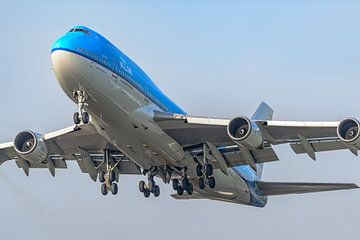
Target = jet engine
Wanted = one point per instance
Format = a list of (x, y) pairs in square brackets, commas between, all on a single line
[(348, 132), (31, 146), (245, 132)]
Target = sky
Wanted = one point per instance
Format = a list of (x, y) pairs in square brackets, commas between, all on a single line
[(213, 58)]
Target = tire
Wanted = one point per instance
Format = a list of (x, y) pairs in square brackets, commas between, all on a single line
[(76, 118), (209, 169), (85, 117), (175, 184), (185, 183), (156, 191), (199, 171), (114, 188), (146, 193), (104, 191), (201, 183), (212, 182), (190, 189), (102, 177), (142, 186), (180, 191)]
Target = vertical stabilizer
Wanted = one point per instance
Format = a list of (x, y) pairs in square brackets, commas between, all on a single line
[(263, 112)]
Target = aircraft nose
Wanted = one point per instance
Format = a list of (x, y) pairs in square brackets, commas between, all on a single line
[(59, 44)]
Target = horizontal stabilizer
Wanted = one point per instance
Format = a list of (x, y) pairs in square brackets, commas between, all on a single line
[(276, 188)]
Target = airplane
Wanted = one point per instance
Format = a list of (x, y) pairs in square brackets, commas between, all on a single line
[(125, 125)]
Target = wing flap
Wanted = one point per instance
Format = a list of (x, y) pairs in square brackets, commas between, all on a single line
[(58, 164), (319, 146), (277, 188), (187, 134), (237, 158), (285, 131)]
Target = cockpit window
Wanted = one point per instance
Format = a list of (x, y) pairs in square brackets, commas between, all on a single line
[(80, 30)]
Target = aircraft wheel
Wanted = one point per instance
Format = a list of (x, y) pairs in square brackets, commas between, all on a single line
[(212, 182), (76, 118), (114, 188), (209, 169), (201, 183), (102, 176), (185, 183), (142, 186), (190, 189), (180, 191), (156, 191), (85, 117), (175, 184), (104, 190), (146, 193), (199, 171)]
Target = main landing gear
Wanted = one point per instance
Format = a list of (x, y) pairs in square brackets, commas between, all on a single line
[(108, 177), (183, 184), (205, 175), (81, 115), (205, 171), (151, 186)]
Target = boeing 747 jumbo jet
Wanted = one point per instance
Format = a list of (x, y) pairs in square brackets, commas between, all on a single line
[(126, 125)]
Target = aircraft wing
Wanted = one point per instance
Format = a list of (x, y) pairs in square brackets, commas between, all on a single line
[(76, 143), (303, 136)]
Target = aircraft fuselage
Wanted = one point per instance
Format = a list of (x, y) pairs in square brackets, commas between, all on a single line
[(121, 100)]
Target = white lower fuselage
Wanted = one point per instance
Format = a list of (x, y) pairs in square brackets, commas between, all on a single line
[(123, 116)]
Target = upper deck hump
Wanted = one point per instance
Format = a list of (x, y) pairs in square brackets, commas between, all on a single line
[(90, 44)]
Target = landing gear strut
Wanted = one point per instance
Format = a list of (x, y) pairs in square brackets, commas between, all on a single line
[(108, 177), (81, 115), (183, 184), (205, 173), (151, 186)]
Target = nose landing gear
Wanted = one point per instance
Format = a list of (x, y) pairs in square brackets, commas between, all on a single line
[(81, 115)]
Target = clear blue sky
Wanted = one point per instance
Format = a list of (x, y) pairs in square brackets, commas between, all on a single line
[(217, 58)]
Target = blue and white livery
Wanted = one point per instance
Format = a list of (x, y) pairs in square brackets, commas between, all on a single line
[(126, 125)]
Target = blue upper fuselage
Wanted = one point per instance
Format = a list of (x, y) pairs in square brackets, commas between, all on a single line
[(88, 43)]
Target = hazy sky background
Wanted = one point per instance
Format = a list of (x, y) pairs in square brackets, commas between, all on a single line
[(212, 58)]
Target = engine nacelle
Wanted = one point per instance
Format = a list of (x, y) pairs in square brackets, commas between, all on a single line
[(348, 132), (245, 132), (31, 146)]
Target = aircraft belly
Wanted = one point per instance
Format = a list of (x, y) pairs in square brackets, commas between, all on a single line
[(229, 188), (119, 110)]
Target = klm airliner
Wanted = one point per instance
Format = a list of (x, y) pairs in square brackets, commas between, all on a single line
[(126, 125)]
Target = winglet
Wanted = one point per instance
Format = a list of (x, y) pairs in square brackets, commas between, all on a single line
[(263, 112)]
